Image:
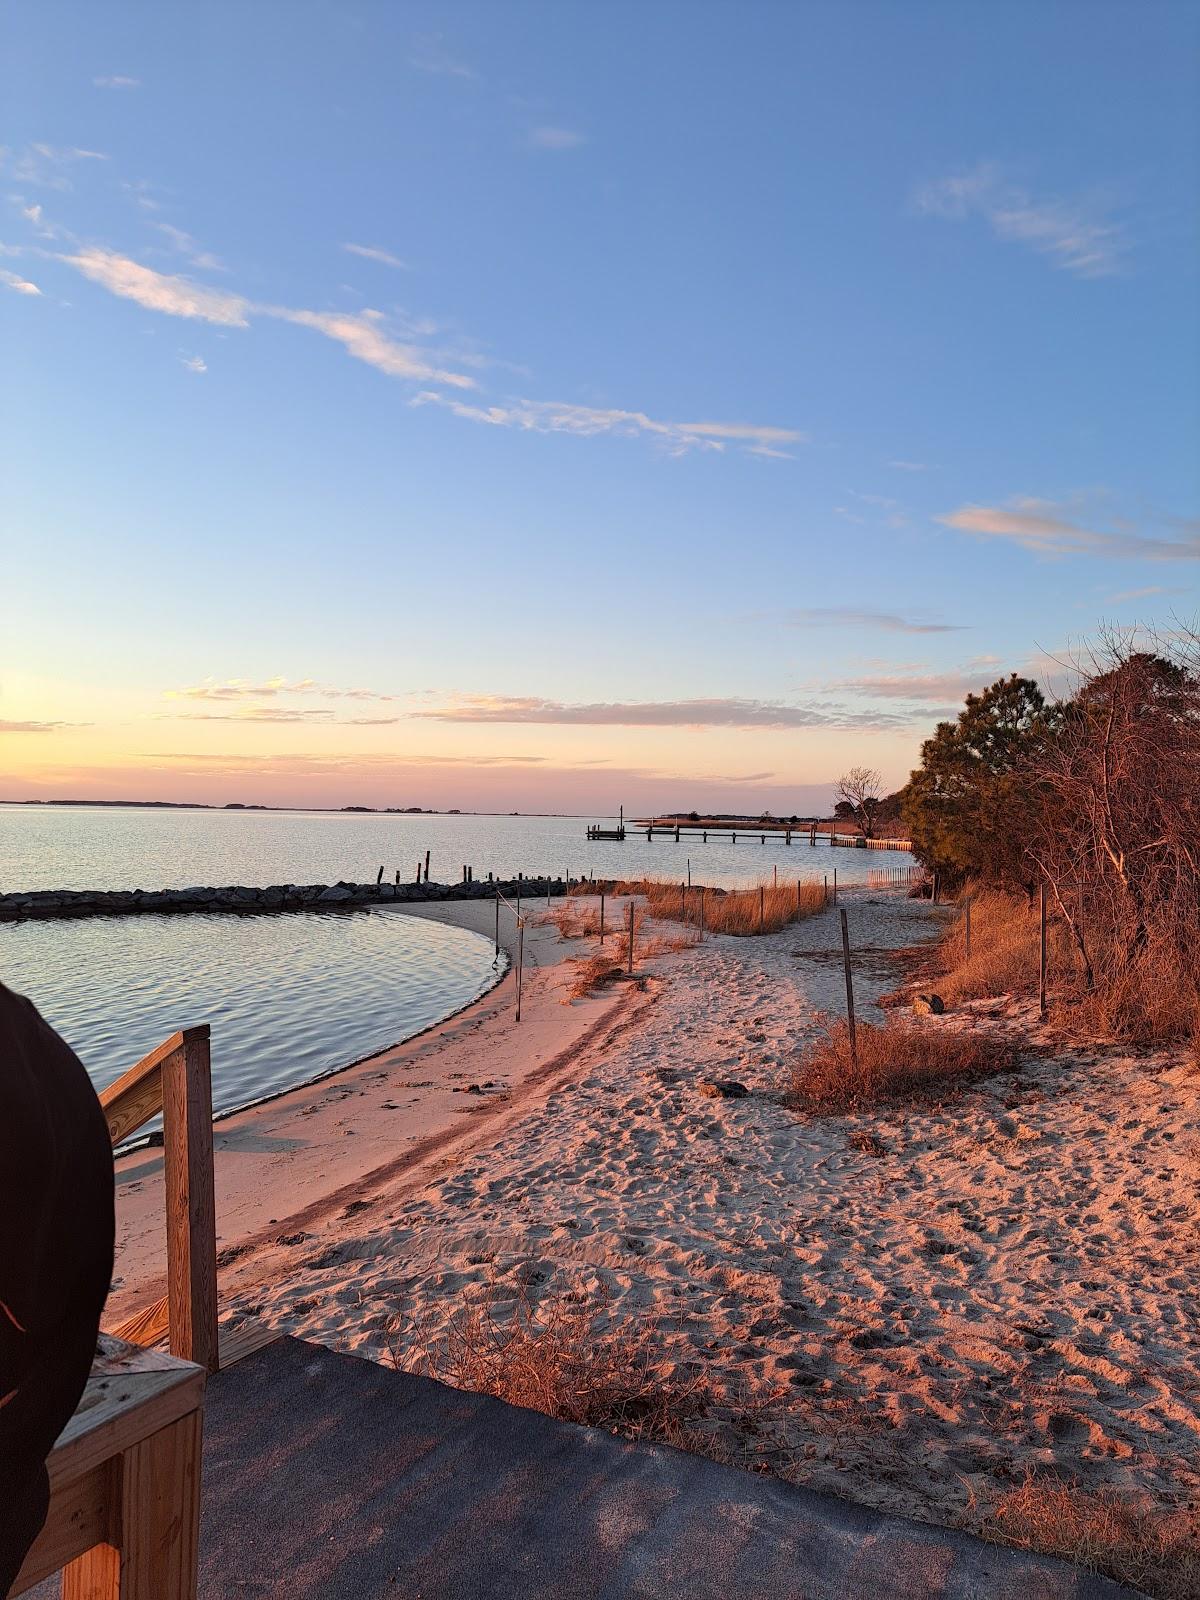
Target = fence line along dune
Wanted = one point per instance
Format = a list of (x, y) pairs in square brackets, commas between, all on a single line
[(765, 908)]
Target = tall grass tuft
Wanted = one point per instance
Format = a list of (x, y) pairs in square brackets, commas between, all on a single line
[(565, 1358), (897, 1062)]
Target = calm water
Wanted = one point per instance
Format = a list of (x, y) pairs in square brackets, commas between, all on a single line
[(44, 847), (288, 997), (291, 997)]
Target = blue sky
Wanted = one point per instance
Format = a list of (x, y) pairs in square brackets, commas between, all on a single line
[(554, 405)]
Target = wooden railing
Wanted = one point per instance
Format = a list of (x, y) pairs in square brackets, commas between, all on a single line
[(175, 1079)]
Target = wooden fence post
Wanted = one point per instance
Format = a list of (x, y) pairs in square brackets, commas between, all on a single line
[(967, 926), (762, 895), (520, 962), (602, 916), (835, 886), (631, 937), (849, 989), (497, 925), (188, 1192)]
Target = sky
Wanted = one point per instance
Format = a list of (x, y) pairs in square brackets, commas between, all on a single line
[(557, 406)]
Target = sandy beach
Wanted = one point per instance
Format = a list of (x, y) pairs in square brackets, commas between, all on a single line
[(915, 1319), (318, 1148)]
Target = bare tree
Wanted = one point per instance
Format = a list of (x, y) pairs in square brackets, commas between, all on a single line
[(1117, 825), (860, 789)]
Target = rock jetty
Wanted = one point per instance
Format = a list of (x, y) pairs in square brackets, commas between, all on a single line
[(48, 903)]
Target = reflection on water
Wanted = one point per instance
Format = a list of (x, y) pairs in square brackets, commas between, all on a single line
[(288, 997), (48, 847)]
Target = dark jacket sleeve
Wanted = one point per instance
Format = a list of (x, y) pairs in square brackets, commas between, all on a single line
[(56, 1257)]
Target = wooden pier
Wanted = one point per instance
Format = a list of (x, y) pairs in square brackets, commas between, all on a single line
[(803, 833)]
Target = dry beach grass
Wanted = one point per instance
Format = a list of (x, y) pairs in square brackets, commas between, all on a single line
[(901, 1061)]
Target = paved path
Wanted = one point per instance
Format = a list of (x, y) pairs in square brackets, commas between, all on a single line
[(327, 1476)]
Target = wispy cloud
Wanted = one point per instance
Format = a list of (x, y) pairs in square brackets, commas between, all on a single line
[(706, 713), (118, 80), (194, 363), (37, 727), (934, 687), (429, 54), (549, 138), (371, 252), (261, 714), (1142, 594), (49, 166), (366, 336), (548, 416), (21, 285), (1044, 527), (270, 688), (909, 466), (1076, 235), (848, 617), (362, 335), (185, 245), (173, 295)]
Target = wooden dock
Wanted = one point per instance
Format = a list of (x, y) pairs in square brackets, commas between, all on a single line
[(806, 833)]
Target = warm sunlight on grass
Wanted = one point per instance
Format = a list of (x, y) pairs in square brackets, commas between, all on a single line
[(1004, 950), (899, 1061), (766, 908), (566, 1358), (1154, 1551)]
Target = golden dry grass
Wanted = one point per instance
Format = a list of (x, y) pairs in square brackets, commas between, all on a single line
[(766, 908), (590, 973), (1142, 995), (899, 1061), (1154, 1551), (571, 1359), (1005, 941)]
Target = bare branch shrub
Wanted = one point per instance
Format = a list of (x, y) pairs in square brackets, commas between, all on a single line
[(1116, 834)]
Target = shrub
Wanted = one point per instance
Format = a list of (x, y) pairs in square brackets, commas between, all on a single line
[(897, 1062)]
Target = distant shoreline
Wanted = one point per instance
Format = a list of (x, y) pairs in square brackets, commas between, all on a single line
[(324, 811)]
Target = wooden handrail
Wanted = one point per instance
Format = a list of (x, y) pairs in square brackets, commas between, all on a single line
[(175, 1078)]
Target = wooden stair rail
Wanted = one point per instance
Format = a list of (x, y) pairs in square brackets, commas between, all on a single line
[(176, 1079)]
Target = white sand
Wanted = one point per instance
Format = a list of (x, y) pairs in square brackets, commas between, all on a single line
[(1013, 1283)]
